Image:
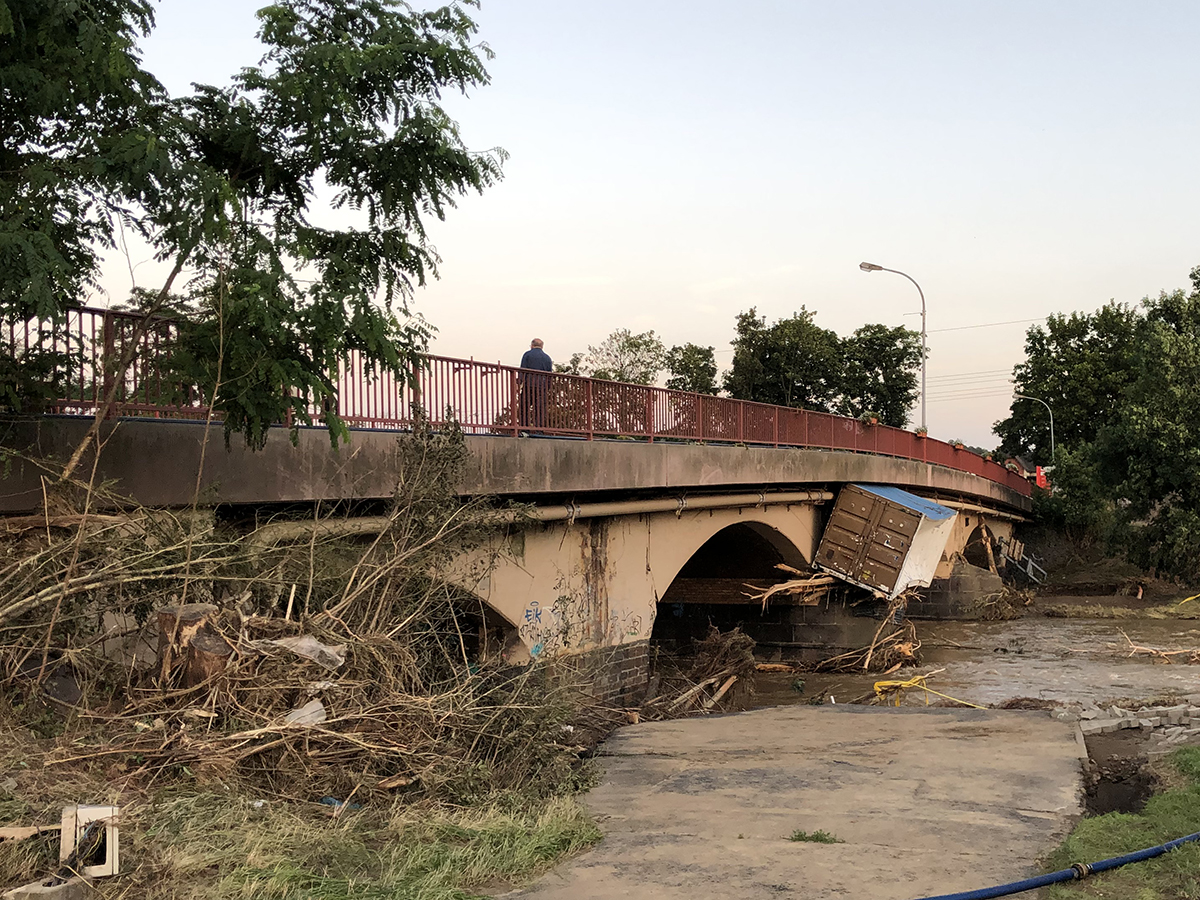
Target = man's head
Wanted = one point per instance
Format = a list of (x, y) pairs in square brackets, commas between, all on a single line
[(535, 344)]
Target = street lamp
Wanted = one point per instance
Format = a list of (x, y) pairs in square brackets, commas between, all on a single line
[(1049, 410), (871, 267)]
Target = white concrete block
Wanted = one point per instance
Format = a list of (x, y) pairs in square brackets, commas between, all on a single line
[(75, 820)]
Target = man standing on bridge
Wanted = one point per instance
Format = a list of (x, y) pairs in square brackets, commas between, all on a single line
[(534, 386)]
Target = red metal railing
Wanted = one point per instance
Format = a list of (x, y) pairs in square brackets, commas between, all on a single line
[(484, 398)]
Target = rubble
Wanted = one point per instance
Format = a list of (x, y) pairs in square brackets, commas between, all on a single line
[(1168, 726)]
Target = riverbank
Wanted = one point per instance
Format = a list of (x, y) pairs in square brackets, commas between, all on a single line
[(186, 841)]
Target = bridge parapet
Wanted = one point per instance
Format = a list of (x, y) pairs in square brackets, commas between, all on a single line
[(483, 398)]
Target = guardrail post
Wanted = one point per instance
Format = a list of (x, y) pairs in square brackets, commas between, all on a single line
[(590, 423), (775, 422), (107, 361), (700, 417), (650, 413), (741, 420), (515, 393)]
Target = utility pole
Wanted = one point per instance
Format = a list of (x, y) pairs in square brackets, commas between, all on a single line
[(871, 267)]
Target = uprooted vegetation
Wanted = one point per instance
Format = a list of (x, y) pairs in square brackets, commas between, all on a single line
[(183, 669), (706, 678)]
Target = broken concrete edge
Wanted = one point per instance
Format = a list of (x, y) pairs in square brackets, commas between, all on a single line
[(1167, 726)]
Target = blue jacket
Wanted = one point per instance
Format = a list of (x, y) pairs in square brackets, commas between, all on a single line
[(537, 358)]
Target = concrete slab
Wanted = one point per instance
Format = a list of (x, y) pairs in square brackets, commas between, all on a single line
[(927, 801)]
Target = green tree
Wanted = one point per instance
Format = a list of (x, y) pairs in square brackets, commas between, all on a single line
[(1149, 449), (627, 357), (693, 368), (1128, 460), (792, 362), (224, 185), (1080, 364), (879, 373), (79, 120), (573, 366), (78, 123)]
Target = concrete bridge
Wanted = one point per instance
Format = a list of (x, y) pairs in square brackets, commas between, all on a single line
[(644, 499)]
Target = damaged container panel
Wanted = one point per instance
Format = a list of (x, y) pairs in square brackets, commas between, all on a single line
[(884, 539)]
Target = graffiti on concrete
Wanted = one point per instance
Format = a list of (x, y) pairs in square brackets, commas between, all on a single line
[(540, 628)]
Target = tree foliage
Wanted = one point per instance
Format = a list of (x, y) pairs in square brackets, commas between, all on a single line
[(693, 368), (791, 362), (1127, 381), (79, 118), (795, 362), (624, 356), (1080, 364), (230, 182), (879, 373)]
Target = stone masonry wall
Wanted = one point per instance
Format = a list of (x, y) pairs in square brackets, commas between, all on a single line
[(618, 675)]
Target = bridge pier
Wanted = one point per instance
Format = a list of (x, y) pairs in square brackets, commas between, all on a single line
[(589, 590)]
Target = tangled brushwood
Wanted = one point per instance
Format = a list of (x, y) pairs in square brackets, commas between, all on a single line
[(894, 645), (321, 655), (706, 678)]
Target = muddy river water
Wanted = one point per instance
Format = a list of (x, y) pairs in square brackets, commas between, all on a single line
[(1063, 660)]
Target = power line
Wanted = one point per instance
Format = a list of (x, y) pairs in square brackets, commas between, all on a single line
[(968, 382), (976, 393), (988, 325), (957, 399), (968, 388), (954, 375)]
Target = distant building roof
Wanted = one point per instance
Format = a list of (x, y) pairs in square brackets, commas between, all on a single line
[(1026, 466)]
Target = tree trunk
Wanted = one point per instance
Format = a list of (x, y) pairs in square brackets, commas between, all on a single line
[(189, 639)]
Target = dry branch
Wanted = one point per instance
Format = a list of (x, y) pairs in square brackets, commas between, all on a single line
[(811, 586)]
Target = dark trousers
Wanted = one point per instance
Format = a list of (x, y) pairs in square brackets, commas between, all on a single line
[(532, 404)]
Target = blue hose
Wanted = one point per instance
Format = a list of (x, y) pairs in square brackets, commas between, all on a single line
[(1076, 872)]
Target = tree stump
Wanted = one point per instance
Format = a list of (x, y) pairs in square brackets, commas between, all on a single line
[(188, 639)]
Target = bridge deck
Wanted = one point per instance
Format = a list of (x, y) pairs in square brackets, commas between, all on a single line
[(155, 462)]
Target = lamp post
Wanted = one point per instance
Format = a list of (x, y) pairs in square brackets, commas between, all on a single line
[(1049, 410), (871, 267)]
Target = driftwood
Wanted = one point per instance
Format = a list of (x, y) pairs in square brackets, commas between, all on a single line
[(716, 698), (1166, 656), (809, 587)]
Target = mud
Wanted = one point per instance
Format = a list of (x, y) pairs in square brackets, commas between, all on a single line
[(1116, 776), (1055, 661)]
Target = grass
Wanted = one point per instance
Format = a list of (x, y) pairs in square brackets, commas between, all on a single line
[(1168, 815), (815, 837), (189, 846)]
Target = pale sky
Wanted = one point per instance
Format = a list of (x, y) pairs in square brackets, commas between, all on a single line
[(674, 162)]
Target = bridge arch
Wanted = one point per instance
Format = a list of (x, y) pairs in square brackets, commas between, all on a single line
[(575, 586), (710, 588)]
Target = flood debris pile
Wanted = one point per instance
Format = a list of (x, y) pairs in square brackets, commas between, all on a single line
[(894, 645), (1008, 603), (1190, 655), (145, 651), (704, 681), (808, 588)]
